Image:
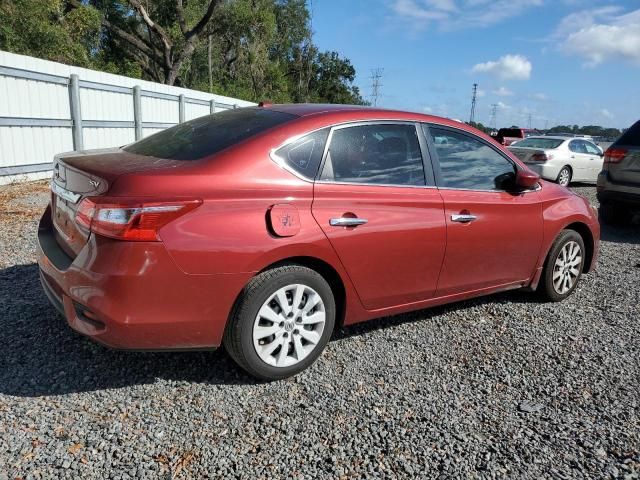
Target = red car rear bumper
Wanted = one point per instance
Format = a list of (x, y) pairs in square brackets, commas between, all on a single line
[(131, 295)]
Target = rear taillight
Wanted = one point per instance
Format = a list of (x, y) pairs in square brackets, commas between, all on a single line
[(541, 157), (130, 219), (614, 155)]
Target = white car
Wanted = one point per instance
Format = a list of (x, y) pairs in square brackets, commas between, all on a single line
[(560, 159)]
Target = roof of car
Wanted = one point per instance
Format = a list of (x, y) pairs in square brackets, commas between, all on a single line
[(553, 137), (308, 109)]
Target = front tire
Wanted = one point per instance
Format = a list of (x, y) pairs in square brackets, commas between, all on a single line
[(563, 267), (564, 176), (281, 323)]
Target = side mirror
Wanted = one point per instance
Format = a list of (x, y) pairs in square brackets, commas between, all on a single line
[(600, 150), (526, 179)]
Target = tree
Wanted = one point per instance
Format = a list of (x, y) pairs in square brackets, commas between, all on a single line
[(251, 49), (50, 29)]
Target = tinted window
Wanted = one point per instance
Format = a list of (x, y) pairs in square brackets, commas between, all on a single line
[(207, 135), (630, 138), (577, 146), (304, 155), (467, 162), (383, 154), (536, 142)]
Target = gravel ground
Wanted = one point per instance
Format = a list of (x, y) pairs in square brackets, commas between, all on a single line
[(502, 386)]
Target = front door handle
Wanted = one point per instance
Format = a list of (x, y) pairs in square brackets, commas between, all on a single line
[(463, 218), (347, 222)]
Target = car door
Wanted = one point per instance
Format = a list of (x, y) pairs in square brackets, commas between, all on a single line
[(376, 201), (494, 234), (595, 160), (579, 160)]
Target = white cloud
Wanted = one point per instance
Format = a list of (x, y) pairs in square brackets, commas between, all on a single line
[(481, 93), (601, 35), (503, 105), (540, 96), (507, 67), (460, 14), (503, 92), (427, 109), (606, 114)]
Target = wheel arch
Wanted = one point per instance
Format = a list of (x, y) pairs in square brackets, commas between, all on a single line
[(584, 231)]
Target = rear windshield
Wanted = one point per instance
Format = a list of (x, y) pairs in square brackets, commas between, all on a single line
[(544, 143), (207, 135), (510, 132), (630, 138)]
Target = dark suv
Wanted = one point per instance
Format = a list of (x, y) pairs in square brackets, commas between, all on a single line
[(619, 180)]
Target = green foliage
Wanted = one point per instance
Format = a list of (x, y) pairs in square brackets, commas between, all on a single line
[(49, 29), (593, 130), (481, 127), (251, 49)]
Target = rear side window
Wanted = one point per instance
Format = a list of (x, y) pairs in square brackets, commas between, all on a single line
[(630, 138), (305, 154), (468, 163), (384, 154), (207, 135)]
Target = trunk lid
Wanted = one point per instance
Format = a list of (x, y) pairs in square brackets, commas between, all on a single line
[(78, 175)]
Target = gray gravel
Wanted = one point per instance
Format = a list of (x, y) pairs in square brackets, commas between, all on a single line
[(497, 387)]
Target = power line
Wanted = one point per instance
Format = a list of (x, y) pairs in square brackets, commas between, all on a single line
[(494, 116), (473, 103), (529, 120), (376, 75)]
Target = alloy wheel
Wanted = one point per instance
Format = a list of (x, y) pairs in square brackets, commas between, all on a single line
[(289, 325), (566, 269), (564, 177)]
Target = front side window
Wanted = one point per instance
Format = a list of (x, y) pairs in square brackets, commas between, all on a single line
[(304, 155), (469, 163), (591, 148), (384, 154)]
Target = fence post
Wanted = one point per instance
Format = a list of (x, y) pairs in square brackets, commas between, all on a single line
[(212, 106), (137, 111), (76, 113), (181, 109)]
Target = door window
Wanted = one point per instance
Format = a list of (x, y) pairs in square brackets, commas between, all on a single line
[(384, 154), (591, 148), (467, 162), (577, 146)]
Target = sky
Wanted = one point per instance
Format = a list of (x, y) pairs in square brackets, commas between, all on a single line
[(549, 62)]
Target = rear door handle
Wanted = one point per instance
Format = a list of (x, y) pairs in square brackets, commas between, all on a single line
[(465, 218), (347, 222)]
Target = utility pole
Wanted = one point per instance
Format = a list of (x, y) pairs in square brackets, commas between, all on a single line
[(376, 75), (494, 115), (473, 103), (529, 120)]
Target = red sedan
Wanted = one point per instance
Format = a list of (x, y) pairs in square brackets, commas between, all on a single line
[(262, 229)]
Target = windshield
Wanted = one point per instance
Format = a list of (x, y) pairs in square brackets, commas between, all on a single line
[(543, 143), (210, 134)]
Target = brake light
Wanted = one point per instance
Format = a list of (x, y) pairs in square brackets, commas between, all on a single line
[(130, 219), (541, 157), (614, 155)]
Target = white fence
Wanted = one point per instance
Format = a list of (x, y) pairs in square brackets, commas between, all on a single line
[(48, 107)]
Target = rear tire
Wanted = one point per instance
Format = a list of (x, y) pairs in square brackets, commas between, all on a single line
[(563, 266), (281, 323), (613, 213), (564, 176)]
